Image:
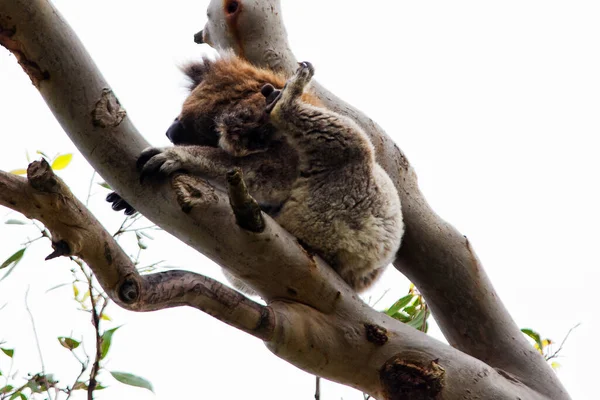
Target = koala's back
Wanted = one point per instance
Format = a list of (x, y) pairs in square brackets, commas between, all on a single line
[(343, 204), (350, 216)]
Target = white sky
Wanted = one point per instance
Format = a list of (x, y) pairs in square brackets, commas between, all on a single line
[(496, 105)]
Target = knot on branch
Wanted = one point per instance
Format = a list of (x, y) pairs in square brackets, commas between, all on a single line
[(247, 211), (42, 178), (192, 192), (376, 334), (108, 112), (31, 68), (411, 380)]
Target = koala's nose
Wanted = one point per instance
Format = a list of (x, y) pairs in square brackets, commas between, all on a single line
[(176, 132), (198, 37)]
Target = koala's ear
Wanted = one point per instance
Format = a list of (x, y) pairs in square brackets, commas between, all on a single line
[(272, 96), (267, 90)]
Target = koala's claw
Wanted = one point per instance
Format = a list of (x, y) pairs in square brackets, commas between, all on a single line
[(305, 72), (159, 164), (118, 203), (145, 156)]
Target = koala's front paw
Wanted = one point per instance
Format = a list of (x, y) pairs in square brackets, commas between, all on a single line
[(305, 72), (118, 203), (303, 75), (157, 163)]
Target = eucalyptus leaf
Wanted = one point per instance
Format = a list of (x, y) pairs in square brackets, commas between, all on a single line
[(399, 304), (8, 352), (106, 341), (132, 380), (68, 343), (534, 335), (15, 222), (12, 261)]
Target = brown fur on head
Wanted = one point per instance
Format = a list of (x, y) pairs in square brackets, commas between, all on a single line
[(226, 102)]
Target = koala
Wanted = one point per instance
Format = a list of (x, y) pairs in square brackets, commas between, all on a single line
[(312, 170), (225, 115)]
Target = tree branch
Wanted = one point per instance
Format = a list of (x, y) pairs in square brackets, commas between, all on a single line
[(46, 198), (313, 319), (433, 255)]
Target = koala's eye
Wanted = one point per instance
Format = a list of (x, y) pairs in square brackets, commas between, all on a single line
[(232, 6)]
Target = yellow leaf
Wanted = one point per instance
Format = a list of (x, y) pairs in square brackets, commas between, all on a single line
[(555, 365), (106, 317), (62, 161), (545, 343), (75, 290), (19, 172)]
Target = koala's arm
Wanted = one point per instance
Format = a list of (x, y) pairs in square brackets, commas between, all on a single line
[(208, 162), (323, 138), (269, 175)]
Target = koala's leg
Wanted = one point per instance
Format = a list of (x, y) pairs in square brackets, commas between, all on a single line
[(323, 138)]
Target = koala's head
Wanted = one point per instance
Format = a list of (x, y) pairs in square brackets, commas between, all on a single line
[(225, 107)]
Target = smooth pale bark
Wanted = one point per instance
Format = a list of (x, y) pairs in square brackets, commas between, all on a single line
[(320, 325)]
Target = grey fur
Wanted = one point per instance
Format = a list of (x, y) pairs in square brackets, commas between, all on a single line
[(317, 178)]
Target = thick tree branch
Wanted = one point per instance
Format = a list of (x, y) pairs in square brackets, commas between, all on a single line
[(46, 198), (397, 360), (320, 325), (434, 255)]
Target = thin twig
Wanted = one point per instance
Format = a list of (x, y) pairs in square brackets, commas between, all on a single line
[(379, 299), (96, 322), (555, 354), (84, 366), (87, 200), (37, 342), (317, 388)]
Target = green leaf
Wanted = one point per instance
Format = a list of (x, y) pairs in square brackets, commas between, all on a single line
[(15, 222), (132, 380), (534, 335), (6, 389), (419, 319), (57, 286), (399, 304), (106, 341), (62, 161), (68, 343), (15, 258), (105, 185), (410, 310), (84, 386), (18, 394), (8, 352), (400, 316)]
